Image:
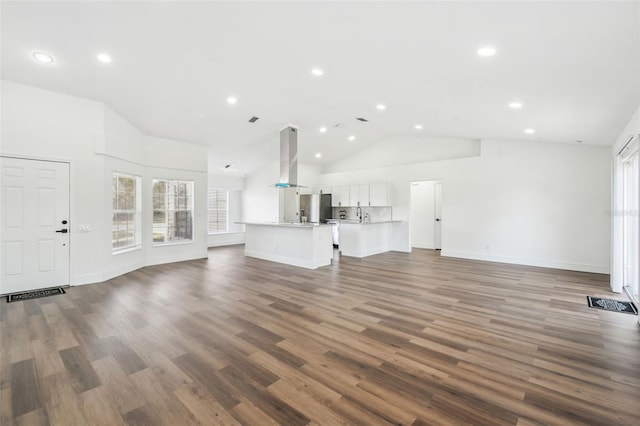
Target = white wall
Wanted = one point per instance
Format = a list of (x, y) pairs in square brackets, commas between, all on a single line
[(260, 201), (46, 125), (406, 150), (519, 202), (127, 150), (235, 186), (617, 209), (96, 141), (422, 214), (172, 154), (260, 197)]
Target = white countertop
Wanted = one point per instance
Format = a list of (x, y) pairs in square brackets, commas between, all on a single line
[(355, 222), (286, 224)]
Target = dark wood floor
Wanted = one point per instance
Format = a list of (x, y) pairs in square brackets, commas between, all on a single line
[(411, 339)]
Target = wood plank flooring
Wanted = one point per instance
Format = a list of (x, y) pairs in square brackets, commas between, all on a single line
[(396, 338)]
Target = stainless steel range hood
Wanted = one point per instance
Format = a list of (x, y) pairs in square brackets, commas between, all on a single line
[(288, 158)]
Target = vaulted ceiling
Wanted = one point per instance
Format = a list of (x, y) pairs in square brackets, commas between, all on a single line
[(574, 66)]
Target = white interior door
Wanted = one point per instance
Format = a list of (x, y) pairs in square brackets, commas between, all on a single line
[(35, 224), (437, 200), (424, 214)]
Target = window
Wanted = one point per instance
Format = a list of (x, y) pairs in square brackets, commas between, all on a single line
[(172, 211), (218, 208), (126, 205)]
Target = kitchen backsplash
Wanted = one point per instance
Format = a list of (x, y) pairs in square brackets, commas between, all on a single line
[(376, 214)]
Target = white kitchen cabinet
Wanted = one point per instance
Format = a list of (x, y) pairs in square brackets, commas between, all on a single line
[(365, 239), (340, 196), (359, 195), (325, 190), (379, 194)]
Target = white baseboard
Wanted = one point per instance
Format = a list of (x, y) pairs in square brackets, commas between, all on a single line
[(171, 259), (106, 275), (103, 276), (365, 253), (423, 245), (230, 239), (310, 264), (569, 266)]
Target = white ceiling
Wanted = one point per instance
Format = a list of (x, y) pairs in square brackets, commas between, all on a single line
[(574, 65)]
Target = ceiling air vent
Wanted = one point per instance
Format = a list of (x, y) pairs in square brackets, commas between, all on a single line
[(362, 119), (340, 126), (253, 119)]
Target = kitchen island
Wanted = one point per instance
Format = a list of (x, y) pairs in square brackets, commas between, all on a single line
[(362, 239), (305, 245)]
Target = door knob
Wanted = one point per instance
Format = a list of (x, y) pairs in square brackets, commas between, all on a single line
[(63, 231)]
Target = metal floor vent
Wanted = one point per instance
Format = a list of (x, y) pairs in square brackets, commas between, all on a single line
[(253, 119)]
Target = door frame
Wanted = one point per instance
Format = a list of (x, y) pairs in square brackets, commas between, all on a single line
[(437, 207), (72, 198), (631, 153), (435, 223)]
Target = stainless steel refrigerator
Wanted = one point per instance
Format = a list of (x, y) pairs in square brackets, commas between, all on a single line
[(315, 207)]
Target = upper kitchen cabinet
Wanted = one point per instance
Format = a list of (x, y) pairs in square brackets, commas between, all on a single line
[(359, 195), (325, 190), (379, 194), (340, 196)]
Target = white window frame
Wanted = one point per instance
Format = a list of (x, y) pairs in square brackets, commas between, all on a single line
[(137, 213), (167, 211), (210, 210)]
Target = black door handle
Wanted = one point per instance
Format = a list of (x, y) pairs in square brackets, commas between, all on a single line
[(438, 219), (63, 231)]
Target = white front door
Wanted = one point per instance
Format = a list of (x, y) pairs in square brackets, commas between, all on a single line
[(35, 224)]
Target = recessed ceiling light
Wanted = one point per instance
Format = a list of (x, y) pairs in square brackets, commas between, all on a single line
[(318, 155), (231, 100), (418, 127), (515, 105), (352, 138), (323, 129), (42, 57), (529, 131), (486, 51), (381, 107), (104, 58), (317, 72)]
